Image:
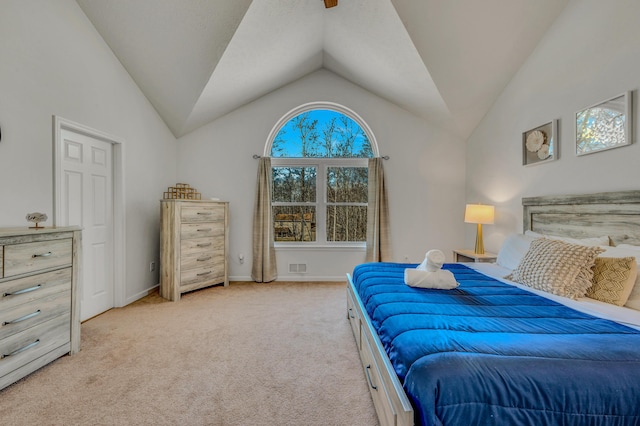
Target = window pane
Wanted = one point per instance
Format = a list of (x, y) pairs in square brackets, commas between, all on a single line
[(346, 223), (321, 133), (347, 184), (294, 184), (294, 223)]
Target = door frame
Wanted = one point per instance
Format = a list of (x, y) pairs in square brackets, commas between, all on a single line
[(119, 248)]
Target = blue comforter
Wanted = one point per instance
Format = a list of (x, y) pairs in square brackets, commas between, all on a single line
[(488, 353)]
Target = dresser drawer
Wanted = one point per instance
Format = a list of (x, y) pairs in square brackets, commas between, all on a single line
[(200, 230), (197, 245), (202, 213), (31, 257), (379, 394), (354, 319), (28, 289), (22, 317), (24, 347), (213, 274), (207, 259)]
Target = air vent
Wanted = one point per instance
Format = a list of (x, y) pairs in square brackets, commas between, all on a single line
[(297, 268)]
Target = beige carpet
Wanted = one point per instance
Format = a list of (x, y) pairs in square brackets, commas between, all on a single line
[(250, 354)]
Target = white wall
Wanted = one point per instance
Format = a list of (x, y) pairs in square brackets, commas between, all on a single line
[(591, 53), (425, 174), (53, 62)]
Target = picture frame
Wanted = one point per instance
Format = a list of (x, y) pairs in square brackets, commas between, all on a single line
[(605, 125), (540, 144)]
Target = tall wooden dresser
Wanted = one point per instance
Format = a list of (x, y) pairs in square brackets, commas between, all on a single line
[(193, 245), (39, 302)]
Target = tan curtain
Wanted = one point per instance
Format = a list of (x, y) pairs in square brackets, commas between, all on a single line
[(378, 233), (264, 254)]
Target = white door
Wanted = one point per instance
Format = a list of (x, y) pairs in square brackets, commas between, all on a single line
[(86, 197)]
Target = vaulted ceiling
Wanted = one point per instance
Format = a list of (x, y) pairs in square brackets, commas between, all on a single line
[(443, 60)]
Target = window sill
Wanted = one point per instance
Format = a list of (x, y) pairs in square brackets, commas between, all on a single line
[(325, 247)]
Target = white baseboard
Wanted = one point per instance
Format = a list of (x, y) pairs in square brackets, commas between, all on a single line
[(140, 295), (146, 292), (295, 278)]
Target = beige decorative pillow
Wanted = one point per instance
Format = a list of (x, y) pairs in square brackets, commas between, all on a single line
[(627, 250), (613, 279), (590, 241), (557, 267)]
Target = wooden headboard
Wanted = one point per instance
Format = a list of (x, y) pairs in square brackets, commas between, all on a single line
[(616, 214)]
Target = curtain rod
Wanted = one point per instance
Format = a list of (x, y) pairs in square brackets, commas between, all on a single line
[(256, 156)]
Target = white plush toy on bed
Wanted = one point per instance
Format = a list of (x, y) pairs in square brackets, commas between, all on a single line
[(429, 274)]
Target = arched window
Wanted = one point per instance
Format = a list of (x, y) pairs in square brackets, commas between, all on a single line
[(319, 157)]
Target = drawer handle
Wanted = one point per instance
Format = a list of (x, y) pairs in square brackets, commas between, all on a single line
[(23, 318), (351, 313), (22, 349), (205, 213), (23, 291), (204, 230), (202, 259), (369, 378), (203, 273), (204, 245), (47, 254)]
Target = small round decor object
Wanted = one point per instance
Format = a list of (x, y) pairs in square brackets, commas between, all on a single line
[(535, 140), (36, 218), (543, 152)]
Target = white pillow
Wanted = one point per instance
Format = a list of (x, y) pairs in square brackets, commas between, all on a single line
[(513, 250), (628, 246), (592, 241), (619, 251), (625, 250), (633, 301)]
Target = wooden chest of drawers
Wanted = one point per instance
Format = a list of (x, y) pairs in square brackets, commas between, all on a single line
[(193, 246), (39, 307)]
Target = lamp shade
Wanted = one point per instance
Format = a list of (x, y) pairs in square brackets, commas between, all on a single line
[(479, 213)]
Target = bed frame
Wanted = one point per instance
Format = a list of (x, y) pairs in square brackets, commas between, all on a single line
[(616, 214)]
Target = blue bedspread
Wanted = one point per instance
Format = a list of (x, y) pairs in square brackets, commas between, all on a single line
[(488, 353)]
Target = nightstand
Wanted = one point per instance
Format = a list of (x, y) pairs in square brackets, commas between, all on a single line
[(461, 255)]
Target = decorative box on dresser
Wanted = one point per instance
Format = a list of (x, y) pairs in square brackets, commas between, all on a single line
[(39, 299), (193, 245)]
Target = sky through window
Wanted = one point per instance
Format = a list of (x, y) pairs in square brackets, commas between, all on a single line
[(321, 133)]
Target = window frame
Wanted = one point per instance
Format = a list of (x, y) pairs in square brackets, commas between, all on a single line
[(322, 165)]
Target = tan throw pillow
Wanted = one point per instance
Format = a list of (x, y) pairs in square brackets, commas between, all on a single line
[(557, 267), (613, 279)]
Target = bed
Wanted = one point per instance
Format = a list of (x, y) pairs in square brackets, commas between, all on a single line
[(497, 352)]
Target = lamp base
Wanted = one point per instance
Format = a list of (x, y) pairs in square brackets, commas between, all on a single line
[(479, 242)]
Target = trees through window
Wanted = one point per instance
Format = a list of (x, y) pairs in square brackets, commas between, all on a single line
[(320, 177)]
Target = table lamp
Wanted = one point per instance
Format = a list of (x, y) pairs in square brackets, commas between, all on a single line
[(480, 214)]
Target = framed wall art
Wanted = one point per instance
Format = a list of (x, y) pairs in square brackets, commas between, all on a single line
[(605, 125), (540, 144)]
